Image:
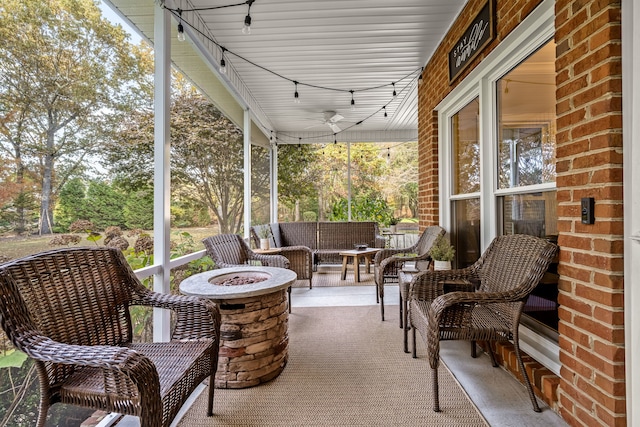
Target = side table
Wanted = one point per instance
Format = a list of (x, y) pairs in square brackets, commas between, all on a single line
[(357, 255)]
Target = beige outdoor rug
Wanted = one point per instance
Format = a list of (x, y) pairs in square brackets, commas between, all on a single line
[(346, 368), (330, 276)]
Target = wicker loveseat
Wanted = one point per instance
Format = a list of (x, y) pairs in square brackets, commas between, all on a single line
[(325, 240)]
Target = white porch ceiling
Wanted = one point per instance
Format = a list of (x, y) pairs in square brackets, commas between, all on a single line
[(338, 45)]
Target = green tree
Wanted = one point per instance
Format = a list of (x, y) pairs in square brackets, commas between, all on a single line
[(296, 173), (66, 75), (104, 205), (138, 209), (206, 157), (70, 204)]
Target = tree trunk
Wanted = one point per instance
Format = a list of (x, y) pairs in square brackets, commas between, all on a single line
[(20, 211), (296, 213), (46, 220)]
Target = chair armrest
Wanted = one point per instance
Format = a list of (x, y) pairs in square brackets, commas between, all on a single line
[(296, 248), (427, 285), (270, 260), (115, 361), (386, 253), (197, 318)]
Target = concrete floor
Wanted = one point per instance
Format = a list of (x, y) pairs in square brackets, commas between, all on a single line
[(501, 399)]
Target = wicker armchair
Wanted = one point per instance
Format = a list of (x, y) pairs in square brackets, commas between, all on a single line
[(444, 305), (387, 263), (300, 257), (230, 250), (68, 310)]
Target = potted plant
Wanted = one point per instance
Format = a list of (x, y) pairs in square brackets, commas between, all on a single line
[(442, 253), (392, 223), (264, 233)]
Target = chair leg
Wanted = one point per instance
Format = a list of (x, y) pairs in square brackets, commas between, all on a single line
[(42, 411), (400, 312), (405, 330), (413, 335), (494, 362), (382, 307), (436, 396), (474, 352), (212, 380), (527, 383)]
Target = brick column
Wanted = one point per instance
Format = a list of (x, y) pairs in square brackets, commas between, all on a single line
[(589, 164)]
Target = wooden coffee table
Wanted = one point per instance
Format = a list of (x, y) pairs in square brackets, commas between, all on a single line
[(357, 254)]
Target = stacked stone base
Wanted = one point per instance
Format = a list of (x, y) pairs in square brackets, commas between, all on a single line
[(254, 343)]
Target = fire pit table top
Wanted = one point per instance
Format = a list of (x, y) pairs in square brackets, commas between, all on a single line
[(210, 283)]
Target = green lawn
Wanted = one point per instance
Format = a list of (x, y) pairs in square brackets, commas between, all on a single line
[(16, 247)]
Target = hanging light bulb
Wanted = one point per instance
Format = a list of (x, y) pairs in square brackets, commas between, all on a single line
[(296, 97), (386, 116), (247, 19), (420, 77), (394, 90), (335, 140), (181, 36), (299, 141), (223, 63), (353, 102)]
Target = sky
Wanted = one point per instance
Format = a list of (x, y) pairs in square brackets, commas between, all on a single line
[(112, 16)]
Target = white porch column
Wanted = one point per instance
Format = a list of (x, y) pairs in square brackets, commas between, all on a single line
[(631, 148), (273, 170), (349, 181), (247, 172), (162, 179)]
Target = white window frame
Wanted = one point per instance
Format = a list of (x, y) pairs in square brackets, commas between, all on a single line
[(534, 32)]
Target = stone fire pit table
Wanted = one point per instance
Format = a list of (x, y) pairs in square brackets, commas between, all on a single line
[(254, 338)]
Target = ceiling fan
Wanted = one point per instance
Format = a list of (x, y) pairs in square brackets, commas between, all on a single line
[(331, 118)]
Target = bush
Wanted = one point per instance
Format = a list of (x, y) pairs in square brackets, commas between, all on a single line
[(309, 216)]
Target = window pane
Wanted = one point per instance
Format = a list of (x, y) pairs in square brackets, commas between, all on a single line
[(526, 108), (465, 233), (535, 214), (466, 149)]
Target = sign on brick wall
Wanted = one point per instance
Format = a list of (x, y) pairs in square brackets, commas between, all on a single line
[(478, 34)]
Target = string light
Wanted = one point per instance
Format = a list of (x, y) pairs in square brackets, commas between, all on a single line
[(223, 63), (296, 97), (247, 19), (181, 36), (178, 14), (335, 140)]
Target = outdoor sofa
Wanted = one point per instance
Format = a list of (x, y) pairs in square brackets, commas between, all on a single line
[(308, 244)]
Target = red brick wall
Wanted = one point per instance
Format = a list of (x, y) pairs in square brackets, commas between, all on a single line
[(591, 389), (589, 164)]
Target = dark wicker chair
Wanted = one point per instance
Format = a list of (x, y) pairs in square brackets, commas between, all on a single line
[(300, 257), (445, 305), (68, 310), (387, 264), (230, 250)]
